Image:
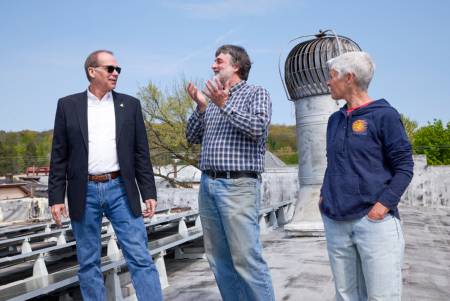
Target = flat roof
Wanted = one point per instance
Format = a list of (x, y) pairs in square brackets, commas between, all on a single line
[(301, 271)]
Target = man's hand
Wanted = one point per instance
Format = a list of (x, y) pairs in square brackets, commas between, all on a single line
[(151, 208), (378, 211), (197, 96), (217, 92), (57, 211)]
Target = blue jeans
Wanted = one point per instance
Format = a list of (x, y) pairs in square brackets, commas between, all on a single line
[(109, 199), (229, 210), (366, 258)]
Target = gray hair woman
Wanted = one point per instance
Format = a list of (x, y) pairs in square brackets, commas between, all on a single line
[(369, 167)]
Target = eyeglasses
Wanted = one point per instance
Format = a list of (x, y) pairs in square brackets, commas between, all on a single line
[(110, 68)]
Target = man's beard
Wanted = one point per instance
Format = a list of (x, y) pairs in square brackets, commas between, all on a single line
[(223, 77)]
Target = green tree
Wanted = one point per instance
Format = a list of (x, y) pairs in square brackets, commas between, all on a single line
[(433, 140), (9, 159), (166, 115), (30, 156), (410, 127), (3, 159)]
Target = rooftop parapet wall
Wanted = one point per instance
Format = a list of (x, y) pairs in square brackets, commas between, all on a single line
[(278, 185), (430, 186), (24, 209)]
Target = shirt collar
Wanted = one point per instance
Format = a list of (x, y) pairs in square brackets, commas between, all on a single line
[(93, 99), (236, 87)]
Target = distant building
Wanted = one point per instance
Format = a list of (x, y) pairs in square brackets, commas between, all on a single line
[(13, 191), (22, 201)]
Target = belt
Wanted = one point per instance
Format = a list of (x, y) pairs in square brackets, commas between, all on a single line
[(231, 174), (104, 177)]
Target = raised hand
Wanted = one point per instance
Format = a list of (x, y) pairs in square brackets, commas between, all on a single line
[(217, 92), (197, 96)]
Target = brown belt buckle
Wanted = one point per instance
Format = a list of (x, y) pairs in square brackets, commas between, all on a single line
[(99, 178), (104, 178)]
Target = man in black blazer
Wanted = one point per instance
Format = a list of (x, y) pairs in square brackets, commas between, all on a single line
[(99, 153)]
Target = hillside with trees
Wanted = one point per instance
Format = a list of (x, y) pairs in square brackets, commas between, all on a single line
[(282, 141), (19, 150)]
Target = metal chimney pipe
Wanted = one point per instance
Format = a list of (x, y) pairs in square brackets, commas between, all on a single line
[(305, 83)]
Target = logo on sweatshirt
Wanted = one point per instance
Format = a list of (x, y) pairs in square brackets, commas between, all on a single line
[(359, 127)]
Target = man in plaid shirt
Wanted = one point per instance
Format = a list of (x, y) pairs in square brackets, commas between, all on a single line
[(232, 129)]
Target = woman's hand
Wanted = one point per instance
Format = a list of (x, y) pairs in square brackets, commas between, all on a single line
[(378, 211)]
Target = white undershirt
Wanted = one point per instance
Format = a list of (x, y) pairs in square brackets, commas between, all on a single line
[(102, 135)]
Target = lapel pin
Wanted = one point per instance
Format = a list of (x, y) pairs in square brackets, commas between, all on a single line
[(121, 105)]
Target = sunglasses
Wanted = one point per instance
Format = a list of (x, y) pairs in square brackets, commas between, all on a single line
[(110, 68)]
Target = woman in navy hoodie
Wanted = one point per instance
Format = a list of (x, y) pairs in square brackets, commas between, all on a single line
[(369, 167)]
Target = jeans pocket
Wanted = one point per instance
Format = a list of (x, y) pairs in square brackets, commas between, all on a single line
[(119, 184), (118, 181), (245, 182), (384, 219)]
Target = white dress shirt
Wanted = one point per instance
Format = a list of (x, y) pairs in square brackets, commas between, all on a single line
[(102, 134)]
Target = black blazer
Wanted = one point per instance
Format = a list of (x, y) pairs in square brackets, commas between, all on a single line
[(69, 159)]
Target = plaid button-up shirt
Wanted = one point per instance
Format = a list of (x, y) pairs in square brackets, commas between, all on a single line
[(234, 137)]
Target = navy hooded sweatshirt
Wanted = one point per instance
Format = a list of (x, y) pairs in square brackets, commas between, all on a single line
[(369, 160)]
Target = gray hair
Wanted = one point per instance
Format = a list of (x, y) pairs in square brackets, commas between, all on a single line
[(358, 63), (92, 60)]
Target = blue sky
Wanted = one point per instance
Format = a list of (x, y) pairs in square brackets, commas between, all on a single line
[(44, 44)]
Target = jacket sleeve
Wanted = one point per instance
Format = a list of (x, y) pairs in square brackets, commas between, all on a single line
[(253, 123), (328, 142), (59, 159), (398, 154), (143, 166)]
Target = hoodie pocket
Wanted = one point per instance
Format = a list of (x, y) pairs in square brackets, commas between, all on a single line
[(344, 192)]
